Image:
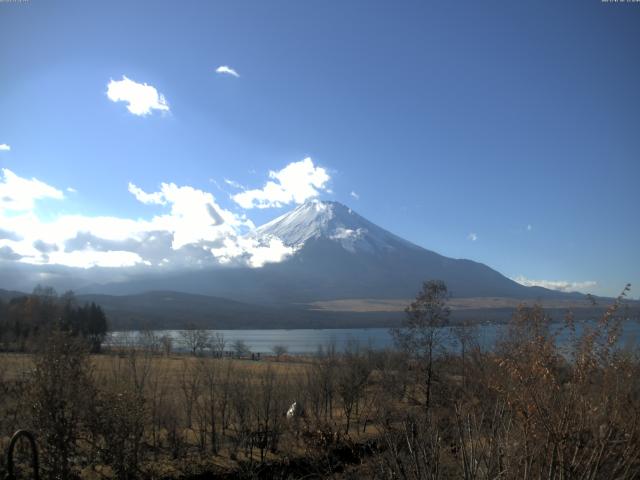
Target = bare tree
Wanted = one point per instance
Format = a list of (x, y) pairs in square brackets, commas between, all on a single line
[(218, 344), (60, 394), (149, 341), (166, 343), (211, 373), (322, 378), (241, 349), (270, 402), (421, 331), (196, 340), (466, 336), (279, 350), (122, 421), (223, 400), (241, 403), (352, 380), (190, 384)]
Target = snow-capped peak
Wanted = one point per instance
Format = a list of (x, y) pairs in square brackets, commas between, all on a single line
[(330, 220)]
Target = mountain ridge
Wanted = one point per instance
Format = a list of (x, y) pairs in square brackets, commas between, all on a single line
[(177, 310), (336, 254)]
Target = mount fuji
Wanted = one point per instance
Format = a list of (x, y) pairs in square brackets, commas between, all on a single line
[(337, 254), (341, 271)]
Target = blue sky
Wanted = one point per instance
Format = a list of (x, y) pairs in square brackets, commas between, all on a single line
[(505, 132)]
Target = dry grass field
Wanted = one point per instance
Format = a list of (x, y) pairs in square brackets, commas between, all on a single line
[(199, 414), (364, 305)]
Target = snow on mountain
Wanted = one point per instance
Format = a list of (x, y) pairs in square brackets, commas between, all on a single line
[(334, 221), (337, 254)]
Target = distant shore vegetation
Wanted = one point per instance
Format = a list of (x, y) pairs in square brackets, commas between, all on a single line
[(29, 319)]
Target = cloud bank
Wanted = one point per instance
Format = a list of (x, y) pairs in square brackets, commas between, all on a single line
[(191, 230), (294, 184), (560, 285), (141, 98)]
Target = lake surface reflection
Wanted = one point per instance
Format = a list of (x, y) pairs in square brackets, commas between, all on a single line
[(307, 341)]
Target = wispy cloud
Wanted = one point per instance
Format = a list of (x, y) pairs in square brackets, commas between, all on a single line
[(473, 237), (142, 99), (560, 285), (226, 70), (71, 190), (295, 183), (529, 228), (233, 183), (4, 147), (355, 195)]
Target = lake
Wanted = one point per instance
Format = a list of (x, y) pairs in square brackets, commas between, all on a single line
[(307, 341)]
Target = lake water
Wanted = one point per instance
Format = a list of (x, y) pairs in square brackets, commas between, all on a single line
[(307, 341)]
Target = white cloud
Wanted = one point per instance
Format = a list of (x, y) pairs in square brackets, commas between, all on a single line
[(19, 194), (226, 70), (348, 237), (355, 195), (529, 228), (192, 230), (195, 216), (141, 98), (272, 251), (473, 236), (560, 285), (146, 198), (255, 252), (71, 190), (4, 147), (342, 233), (295, 183)]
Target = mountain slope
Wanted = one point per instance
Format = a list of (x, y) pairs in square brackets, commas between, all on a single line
[(342, 255), (338, 255)]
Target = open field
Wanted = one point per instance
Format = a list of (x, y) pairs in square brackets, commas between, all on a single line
[(200, 413), (17, 365)]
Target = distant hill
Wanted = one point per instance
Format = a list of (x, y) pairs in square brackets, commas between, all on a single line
[(6, 295), (178, 310)]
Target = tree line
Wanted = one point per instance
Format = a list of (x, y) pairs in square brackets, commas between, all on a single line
[(29, 319)]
